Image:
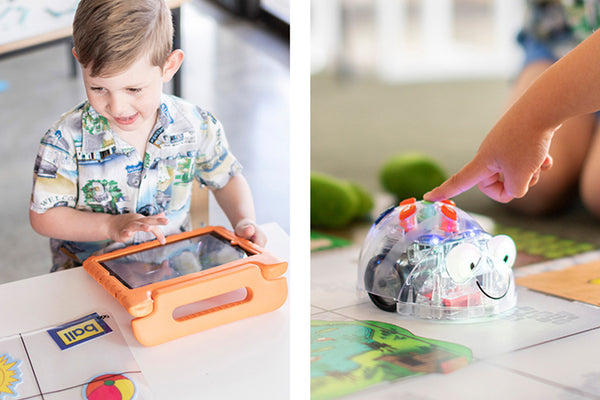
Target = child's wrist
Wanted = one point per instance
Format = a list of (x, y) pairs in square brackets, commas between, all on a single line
[(107, 226)]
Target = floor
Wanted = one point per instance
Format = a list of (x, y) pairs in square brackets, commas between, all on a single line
[(361, 352), (237, 69)]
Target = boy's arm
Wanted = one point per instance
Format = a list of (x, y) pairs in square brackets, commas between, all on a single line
[(515, 151), (235, 198), (67, 223)]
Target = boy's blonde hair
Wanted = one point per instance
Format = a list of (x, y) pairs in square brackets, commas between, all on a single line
[(110, 35)]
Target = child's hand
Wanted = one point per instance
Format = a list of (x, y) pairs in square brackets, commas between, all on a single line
[(248, 229), (506, 165), (124, 226)]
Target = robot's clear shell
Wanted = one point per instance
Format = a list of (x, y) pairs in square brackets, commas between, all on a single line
[(433, 260)]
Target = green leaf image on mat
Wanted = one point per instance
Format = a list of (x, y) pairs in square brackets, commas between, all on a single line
[(349, 356)]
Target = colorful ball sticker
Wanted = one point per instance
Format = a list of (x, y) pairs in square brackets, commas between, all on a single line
[(109, 387)]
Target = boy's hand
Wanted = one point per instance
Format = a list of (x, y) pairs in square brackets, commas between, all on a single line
[(506, 165), (122, 227), (248, 229)]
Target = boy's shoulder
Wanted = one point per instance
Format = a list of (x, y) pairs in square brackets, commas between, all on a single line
[(70, 122), (74, 113)]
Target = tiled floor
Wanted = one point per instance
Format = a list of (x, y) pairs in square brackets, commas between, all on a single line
[(237, 69)]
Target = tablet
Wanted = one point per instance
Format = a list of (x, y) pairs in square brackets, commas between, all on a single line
[(151, 281), (173, 260)]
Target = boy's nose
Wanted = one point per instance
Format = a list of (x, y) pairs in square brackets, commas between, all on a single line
[(116, 105)]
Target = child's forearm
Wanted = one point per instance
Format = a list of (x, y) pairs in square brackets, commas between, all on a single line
[(516, 150), (235, 199), (570, 87), (67, 223)]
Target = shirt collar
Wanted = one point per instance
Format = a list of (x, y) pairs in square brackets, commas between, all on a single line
[(165, 117), (172, 121), (96, 133), (92, 122), (98, 137)]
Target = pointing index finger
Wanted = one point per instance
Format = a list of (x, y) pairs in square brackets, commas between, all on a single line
[(469, 176)]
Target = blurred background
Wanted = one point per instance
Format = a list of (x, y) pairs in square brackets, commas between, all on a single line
[(432, 76), (390, 76)]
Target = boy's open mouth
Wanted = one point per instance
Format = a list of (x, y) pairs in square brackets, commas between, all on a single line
[(126, 120)]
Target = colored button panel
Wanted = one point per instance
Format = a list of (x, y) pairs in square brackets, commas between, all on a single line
[(411, 200)]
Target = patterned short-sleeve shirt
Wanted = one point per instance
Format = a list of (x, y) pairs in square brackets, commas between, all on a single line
[(85, 165)]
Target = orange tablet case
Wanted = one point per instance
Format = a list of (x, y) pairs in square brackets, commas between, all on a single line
[(153, 305)]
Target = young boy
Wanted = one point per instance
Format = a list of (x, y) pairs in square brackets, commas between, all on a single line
[(516, 151), (119, 168)]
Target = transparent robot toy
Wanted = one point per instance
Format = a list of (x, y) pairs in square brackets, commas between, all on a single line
[(434, 261)]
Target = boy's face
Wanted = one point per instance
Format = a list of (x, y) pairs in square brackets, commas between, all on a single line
[(129, 100)]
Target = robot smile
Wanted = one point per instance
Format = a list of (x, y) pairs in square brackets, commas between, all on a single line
[(489, 295)]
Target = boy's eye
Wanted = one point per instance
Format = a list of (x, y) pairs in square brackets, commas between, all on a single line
[(97, 89), (134, 90)]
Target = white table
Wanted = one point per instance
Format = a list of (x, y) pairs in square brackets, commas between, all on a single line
[(245, 359)]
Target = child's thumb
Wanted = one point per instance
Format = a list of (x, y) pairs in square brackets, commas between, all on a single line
[(245, 228)]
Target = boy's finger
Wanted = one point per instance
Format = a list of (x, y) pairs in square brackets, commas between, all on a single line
[(518, 184), (534, 179), (496, 191), (490, 180), (145, 227), (245, 230), (469, 176), (125, 235), (156, 220), (547, 164), (160, 236), (260, 238)]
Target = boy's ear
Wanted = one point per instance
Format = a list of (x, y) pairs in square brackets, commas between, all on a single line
[(74, 54), (172, 65)]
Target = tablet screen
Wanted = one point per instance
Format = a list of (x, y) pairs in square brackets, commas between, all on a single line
[(173, 260)]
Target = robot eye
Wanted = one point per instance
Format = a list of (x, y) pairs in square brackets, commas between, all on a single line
[(503, 248), (461, 261)]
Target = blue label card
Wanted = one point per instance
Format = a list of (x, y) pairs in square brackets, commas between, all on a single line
[(79, 331)]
